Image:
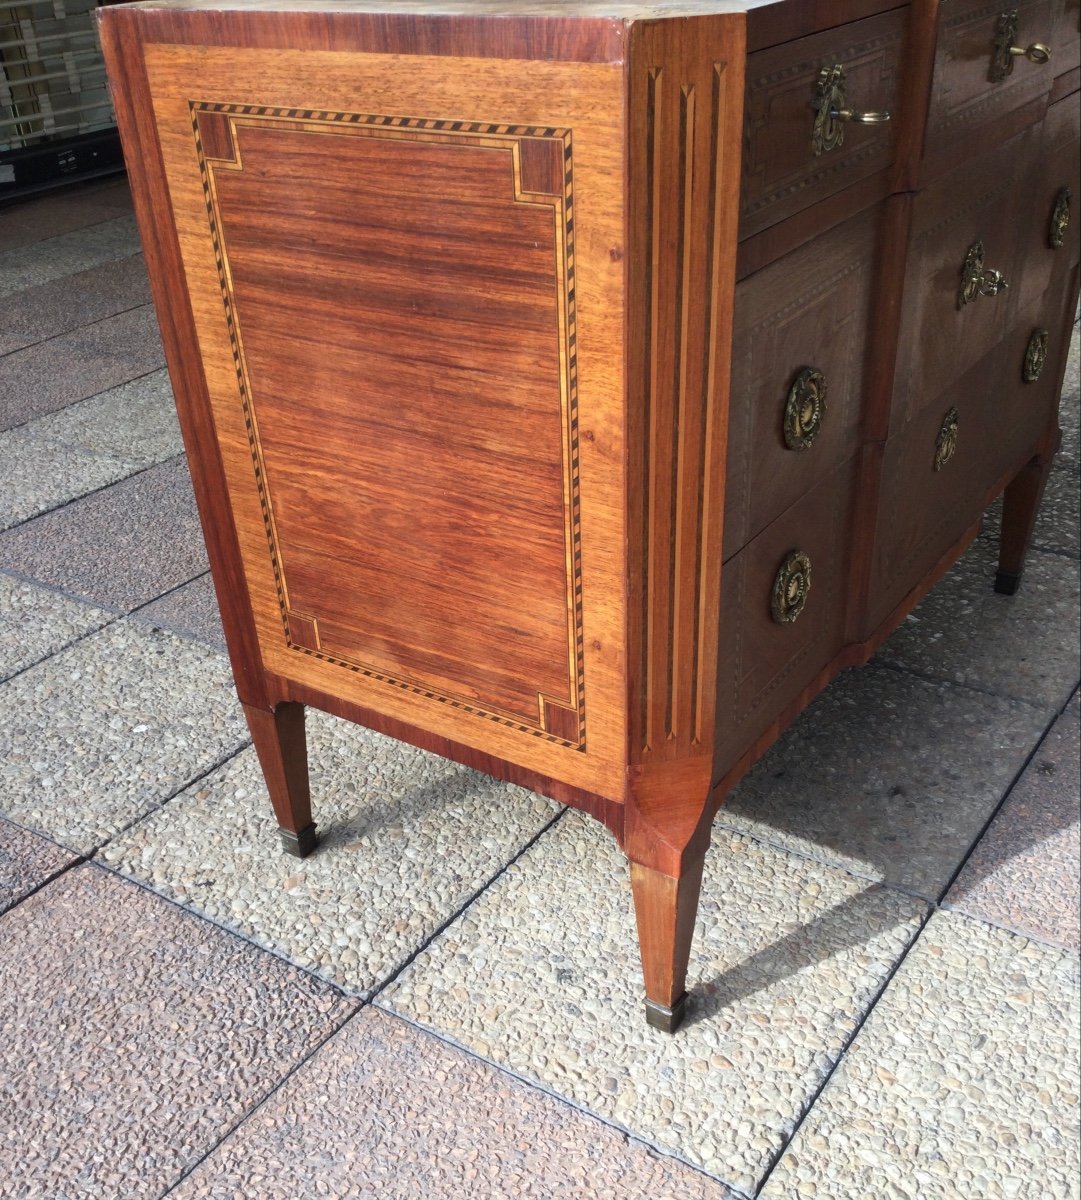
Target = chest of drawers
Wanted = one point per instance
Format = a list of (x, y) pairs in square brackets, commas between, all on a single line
[(573, 390)]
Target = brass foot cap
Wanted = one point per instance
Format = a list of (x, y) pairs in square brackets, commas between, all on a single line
[(299, 844), (1007, 582), (667, 1020)]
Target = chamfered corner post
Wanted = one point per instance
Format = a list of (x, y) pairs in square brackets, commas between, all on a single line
[(1020, 506), (278, 735)]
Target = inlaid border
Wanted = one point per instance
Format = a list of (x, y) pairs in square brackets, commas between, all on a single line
[(488, 135)]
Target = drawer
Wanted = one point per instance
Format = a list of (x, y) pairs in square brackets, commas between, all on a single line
[(930, 495), (1017, 411), (771, 648), (977, 208), (1066, 38), (1050, 222), (799, 351), (787, 166), (973, 104)]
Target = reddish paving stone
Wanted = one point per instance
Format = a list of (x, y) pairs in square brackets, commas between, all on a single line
[(26, 862)]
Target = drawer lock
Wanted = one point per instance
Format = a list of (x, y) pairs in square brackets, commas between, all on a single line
[(832, 112), (1005, 50), (1035, 356), (790, 588), (976, 280), (805, 409), (1060, 218), (946, 442)]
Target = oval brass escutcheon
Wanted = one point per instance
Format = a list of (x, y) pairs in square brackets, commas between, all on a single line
[(1004, 51), (946, 442), (1035, 356), (977, 281), (805, 409), (1060, 218), (790, 588), (832, 112)]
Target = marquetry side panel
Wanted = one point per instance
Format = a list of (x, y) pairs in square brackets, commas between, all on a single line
[(410, 329), (685, 117)]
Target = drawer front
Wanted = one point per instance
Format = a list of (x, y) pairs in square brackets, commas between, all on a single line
[(932, 488), (787, 166), (971, 99), (777, 635), (1066, 39), (943, 332), (1050, 221), (1016, 412), (798, 366)]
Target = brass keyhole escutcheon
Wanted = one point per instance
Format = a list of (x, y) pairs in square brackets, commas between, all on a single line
[(1060, 219), (832, 113), (1004, 50), (976, 280), (1035, 356), (805, 409), (946, 442), (790, 588)]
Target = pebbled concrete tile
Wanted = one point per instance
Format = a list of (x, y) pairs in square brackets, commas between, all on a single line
[(36, 622), (1023, 646), (120, 547), (408, 838), (385, 1110), (44, 217), (541, 975), (1024, 873), (51, 375), (135, 422), (26, 862), (77, 249), (37, 475), (888, 776), (191, 611), (64, 304), (135, 1037), (963, 1082), (1070, 407), (106, 730)]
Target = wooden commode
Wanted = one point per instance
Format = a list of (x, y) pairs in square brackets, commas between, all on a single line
[(573, 389)]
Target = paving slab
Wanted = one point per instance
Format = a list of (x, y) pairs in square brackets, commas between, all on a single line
[(407, 839), (135, 422), (386, 1110), (101, 733), (1070, 407), (889, 776), (37, 475), (120, 547), (135, 1037), (192, 611), (26, 862), (64, 304), (1023, 646), (77, 364), (36, 622), (1023, 874), (43, 217), (962, 1083), (41, 260), (541, 975)]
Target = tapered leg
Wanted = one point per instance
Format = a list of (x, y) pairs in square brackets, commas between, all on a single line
[(665, 908), (1020, 505), (283, 755)]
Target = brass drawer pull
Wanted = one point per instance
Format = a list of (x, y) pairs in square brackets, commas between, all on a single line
[(946, 442), (832, 111), (805, 408), (790, 588), (1004, 51), (1060, 218), (975, 280), (1035, 356)]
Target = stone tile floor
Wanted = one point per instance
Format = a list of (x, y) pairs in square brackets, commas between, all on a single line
[(444, 1000)]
